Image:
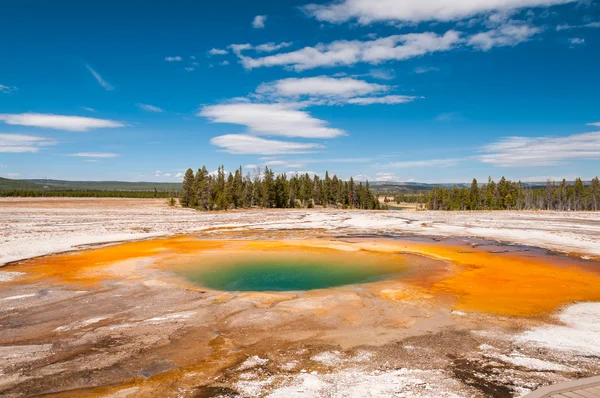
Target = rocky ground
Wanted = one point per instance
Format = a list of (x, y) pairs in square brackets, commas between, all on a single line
[(129, 328)]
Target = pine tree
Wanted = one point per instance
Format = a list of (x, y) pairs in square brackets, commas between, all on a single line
[(187, 189)]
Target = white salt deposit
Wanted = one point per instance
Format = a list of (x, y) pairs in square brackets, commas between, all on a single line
[(9, 276), (579, 334), (355, 383), (531, 363), (329, 358), (252, 362)]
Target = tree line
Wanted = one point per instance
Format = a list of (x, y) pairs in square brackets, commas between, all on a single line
[(510, 195), (218, 191), (38, 193)]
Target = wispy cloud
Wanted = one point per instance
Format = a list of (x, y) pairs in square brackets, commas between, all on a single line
[(415, 11), (596, 124), (271, 46), (21, 143), (325, 90), (218, 51), (106, 85), (271, 119), (449, 117), (59, 122), (541, 151), (176, 58), (425, 69), (7, 89), (382, 73), (346, 53), (101, 155), (587, 25), (409, 164), (259, 21), (506, 35), (387, 100), (576, 41), (243, 144), (324, 87), (87, 108), (149, 108)]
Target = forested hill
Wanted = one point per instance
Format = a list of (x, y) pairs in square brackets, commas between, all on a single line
[(33, 188)]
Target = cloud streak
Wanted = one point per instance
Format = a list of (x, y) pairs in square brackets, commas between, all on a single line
[(541, 151), (242, 144), (106, 85), (23, 143), (7, 89), (350, 52), (100, 155), (415, 11), (149, 108), (285, 120), (58, 122)]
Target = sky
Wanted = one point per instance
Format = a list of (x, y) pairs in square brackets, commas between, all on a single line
[(379, 90)]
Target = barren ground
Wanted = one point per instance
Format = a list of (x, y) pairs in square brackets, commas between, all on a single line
[(483, 319), (32, 227)]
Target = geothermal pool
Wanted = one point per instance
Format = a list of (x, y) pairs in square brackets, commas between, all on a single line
[(297, 269), (250, 316)]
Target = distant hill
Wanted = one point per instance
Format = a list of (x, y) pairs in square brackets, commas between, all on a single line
[(38, 184)]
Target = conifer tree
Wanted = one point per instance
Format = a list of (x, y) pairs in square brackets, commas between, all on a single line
[(187, 188)]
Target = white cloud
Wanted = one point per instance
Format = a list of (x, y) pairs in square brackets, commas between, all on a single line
[(87, 108), (509, 34), (176, 58), (596, 124), (59, 122), (425, 69), (350, 52), (271, 119), (167, 175), (179, 175), (106, 85), (541, 151), (224, 63), (576, 41), (270, 47), (387, 99), (259, 21), (101, 155), (189, 69), (20, 143), (149, 108), (320, 86), (283, 164), (383, 74), (251, 145), (386, 177), (218, 51), (421, 163), (587, 25), (449, 117), (7, 89), (414, 11)]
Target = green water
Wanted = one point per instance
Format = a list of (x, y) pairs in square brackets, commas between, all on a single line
[(282, 275)]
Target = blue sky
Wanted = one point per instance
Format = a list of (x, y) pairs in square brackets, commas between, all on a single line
[(401, 90)]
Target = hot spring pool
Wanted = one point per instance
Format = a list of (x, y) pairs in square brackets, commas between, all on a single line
[(287, 275)]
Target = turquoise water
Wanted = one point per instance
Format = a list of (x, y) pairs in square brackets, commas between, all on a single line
[(282, 275)]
